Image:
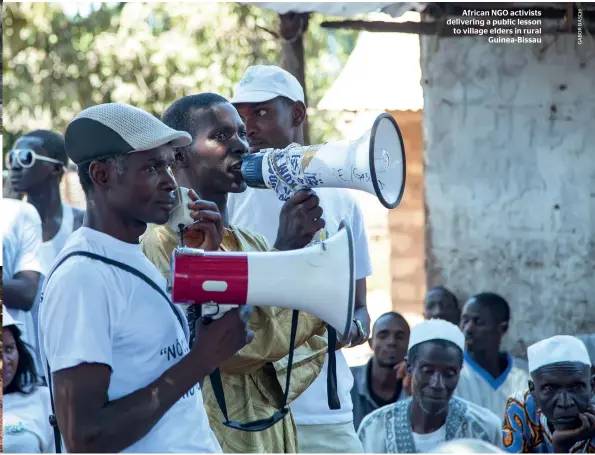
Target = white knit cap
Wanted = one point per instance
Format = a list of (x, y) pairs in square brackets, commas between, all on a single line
[(559, 348), (436, 329), (8, 320), (262, 83)]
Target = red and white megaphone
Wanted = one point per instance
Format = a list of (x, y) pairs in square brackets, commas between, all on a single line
[(318, 280), (374, 163)]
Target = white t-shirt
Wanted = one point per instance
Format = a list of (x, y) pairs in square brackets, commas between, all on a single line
[(258, 210), (47, 253), (96, 313), (21, 240), (26, 422), (479, 387), (425, 443)]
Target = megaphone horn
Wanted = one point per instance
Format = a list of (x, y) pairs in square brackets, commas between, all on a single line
[(374, 163), (318, 279)]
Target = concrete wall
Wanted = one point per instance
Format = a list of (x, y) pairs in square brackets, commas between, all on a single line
[(510, 178)]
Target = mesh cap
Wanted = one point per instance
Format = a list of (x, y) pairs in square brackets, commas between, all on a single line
[(115, 129)]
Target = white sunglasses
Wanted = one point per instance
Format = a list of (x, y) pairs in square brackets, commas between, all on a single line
[(26, 158)]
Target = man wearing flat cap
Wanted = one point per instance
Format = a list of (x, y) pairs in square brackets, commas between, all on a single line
[(120, 369), (432, 415), (556, 414)]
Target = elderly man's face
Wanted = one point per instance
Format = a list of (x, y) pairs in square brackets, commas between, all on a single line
[(562, 391), (435, 374)]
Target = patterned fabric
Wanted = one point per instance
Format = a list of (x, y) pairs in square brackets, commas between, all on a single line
[(389, 430), (254, 379), (525, 428)]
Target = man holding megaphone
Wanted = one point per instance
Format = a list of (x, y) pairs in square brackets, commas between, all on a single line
[(210, 166), (270, 102)]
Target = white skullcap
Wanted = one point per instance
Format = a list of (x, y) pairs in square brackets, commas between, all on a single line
[(436, 329), (7, 319), (560, 348)]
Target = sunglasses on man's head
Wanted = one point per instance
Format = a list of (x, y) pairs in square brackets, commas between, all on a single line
[(26, 158)]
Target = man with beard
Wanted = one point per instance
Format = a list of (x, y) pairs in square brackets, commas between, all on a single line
[(123, 376), (37, 163), (556, 414), (432, 415), (489, 375), (270, 102), (254, 377), (375, 383), (440, 303)]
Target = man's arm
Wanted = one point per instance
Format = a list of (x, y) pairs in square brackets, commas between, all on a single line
[(81, 371), (19, 291), (89, 422)]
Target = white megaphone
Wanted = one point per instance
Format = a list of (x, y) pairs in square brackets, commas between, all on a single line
[(318, 280), (374, 163)]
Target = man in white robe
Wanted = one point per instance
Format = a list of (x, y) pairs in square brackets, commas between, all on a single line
[(489, 375), (432, 415)]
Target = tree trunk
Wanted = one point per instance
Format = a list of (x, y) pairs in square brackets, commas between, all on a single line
[(292, 27)]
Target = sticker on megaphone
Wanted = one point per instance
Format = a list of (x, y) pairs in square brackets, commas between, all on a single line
[(374, 163)]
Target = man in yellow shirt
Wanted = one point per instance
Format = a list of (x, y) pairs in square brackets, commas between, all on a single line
[(254, 379)]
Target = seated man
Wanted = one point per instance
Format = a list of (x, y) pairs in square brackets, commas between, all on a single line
[(489, 375), (376, 383), (432, 415), (555, 415), (254, 378)]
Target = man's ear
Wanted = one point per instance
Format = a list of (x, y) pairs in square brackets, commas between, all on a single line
[(298, 114), (180, 161), (100, 174), (531, 387), (592, 383), (503, 327)]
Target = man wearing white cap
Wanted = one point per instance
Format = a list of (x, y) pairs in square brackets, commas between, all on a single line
[(432, 415), (556, 414), (270, 102)]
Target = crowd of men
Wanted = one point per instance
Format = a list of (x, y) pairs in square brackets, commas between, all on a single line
[(92, 339)]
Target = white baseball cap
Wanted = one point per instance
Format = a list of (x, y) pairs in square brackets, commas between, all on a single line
[(261, 83), (436, 329), (559, 348), (8, 320)]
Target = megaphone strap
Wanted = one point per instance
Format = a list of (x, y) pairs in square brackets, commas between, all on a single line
[(263, 424), (331, 378)]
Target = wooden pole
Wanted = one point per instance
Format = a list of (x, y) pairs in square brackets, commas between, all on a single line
[(292, 27)]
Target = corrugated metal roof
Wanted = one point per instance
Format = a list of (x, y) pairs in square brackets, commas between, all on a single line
[(382, 73)]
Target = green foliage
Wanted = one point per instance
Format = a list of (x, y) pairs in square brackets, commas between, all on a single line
[(147, 55)]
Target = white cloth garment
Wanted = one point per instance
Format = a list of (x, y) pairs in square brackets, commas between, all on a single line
[(25, 423), (95, 313), (389, 429), (47, 253), (479, 387), (426, 442), (258, 210), (21, 240), (436, 329), (559, 348)]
